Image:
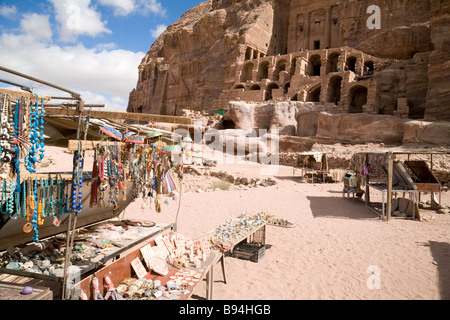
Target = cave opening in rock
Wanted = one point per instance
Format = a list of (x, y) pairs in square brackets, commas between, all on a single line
[(351, 63), (269, 89), (368, 67), (358, 98), (281, 66), (334, 89), (314, 94), (228, 124), (263, 71), (247, 72), (332, 63), (286, 87), (314, 65)]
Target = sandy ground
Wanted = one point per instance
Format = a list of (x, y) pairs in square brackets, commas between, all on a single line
[(338, 250), (336, 247)]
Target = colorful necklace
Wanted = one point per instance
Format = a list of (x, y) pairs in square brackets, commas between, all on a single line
[(34, 219), (77, 183)]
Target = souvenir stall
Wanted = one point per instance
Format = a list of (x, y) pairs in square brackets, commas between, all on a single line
[(312, 164), (126, 166), (53, 226), (169, 267), (382, 171)]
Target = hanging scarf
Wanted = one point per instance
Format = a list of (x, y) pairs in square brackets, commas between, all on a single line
[(94, 185), (366, 170)]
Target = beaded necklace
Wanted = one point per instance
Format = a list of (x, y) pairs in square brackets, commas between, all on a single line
[(28, 227), (61, 203), (6, 134), (34, 219), (41, 131), (40, 204), (51, 200), (77, 183), (30, 159)]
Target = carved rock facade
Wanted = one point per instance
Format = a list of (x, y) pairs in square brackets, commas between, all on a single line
[(321, 51)]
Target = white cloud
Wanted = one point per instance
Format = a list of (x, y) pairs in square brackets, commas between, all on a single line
[(126, 7), (112, 103), (102, 75), (152, 6), (78, 17), (101, 72), (106, 46), (8, 12), (158, 30), (36, 25), (121, 7)]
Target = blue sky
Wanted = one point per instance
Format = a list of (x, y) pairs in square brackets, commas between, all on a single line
[(92, 47)]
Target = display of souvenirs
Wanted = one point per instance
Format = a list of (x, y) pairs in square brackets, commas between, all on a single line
[(145, 289), (175, 250), (145, 168), (91, 244), (134, 167), (126, 166), (227, 234), (168, 249), (22, 144)]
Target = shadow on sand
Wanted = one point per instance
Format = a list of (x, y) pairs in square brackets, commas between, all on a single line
[(339, 207), (441, 254)]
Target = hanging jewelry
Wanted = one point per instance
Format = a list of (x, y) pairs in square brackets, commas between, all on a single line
[(28, 227), (41, 130), (94, 182), (34, 219), (40, 204), (30, 159), (61, 203), (6, 134), (77, 183)]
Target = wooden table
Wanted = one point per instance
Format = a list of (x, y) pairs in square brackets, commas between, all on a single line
[(223, 253), (121, 269)]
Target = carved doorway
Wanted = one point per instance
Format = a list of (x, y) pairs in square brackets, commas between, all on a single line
[(358, 98)]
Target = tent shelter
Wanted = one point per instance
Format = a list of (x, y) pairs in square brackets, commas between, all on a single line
[(396, 178)]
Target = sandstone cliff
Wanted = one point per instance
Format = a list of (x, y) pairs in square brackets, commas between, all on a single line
[(203, 53)]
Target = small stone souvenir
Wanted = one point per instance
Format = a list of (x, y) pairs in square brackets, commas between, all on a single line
[(27, 290)]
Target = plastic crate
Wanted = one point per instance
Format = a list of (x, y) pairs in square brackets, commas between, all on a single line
[(350, 180), (249, 251), (258, 237)]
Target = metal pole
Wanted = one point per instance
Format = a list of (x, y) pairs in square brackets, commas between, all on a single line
[(74, 94), (70, 233), (24, 88)]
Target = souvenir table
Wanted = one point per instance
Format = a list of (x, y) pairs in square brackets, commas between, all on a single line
[(311, 163), (244, 228), (136, 277), (94, 246), (226, 237)]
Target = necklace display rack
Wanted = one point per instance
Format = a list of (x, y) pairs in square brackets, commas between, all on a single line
[(30, 196), (126, 165)]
